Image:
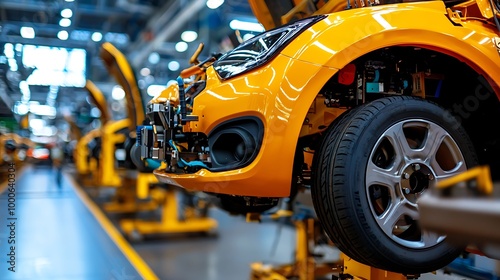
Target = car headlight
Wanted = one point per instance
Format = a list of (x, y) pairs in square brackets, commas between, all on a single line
[(260, 49)]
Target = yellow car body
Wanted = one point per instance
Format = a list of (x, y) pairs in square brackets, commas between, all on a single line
[(391, 99), (281, 92)]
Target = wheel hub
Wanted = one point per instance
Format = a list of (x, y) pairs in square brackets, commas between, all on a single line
[(416, 178)]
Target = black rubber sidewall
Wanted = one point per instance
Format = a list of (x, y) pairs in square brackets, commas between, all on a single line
[(385, 252)]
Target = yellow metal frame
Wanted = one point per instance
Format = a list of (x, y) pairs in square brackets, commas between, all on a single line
[(305, 266), (86, 167), (107, 173), (99, 101), (170, 220), (362, 272), (83, 164), (281, 92), (118, 65), (126, 198), (481, 174)]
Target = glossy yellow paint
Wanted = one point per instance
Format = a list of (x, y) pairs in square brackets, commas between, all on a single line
[(108, 173), (99, 100), (170, 221), (481, 174), (81, 152), (118, 65), (281, 92), (265, 94), (363, 271)]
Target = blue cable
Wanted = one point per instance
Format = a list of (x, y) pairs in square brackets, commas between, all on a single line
[(182, 163)]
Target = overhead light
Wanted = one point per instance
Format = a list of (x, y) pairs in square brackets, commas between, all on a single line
[(149, 79), (43, 110), (181, 46), (70, 0), (189, 36), (155, 90), (8, 50), (173, 65), (13, 65), (117, 93), (27, 32), (63, 35), (25, 91), (34, 123), (80, 35), (154, 58), (96, 36), (65, 22), (214, 4), (246, 25), (145, 71), (95, 112), (66, 13), (21, 108)]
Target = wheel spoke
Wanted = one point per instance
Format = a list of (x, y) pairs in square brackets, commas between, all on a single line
[(397, 210), (378, 176), (409, 158), (434, 139), (441, 174), (398, 140)]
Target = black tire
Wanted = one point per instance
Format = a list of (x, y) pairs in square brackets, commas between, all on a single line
[(360, 177)]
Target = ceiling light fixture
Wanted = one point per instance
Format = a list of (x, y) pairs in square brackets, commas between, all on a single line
[(96, 36), (117, 93), (154, 58), (173, 65), (214, 4), (63, 35), (67, 13), (236, 24), (189, 36), (145, 71), (27, 32), (181, 46), (65, 22)]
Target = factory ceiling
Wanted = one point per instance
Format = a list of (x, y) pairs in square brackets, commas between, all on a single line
[(146, 31)]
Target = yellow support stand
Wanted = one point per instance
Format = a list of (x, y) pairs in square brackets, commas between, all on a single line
[(170, 220), (361, 271), (305, 266), (125, 199)]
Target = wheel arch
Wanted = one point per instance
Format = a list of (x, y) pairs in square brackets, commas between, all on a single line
[(484, 81)]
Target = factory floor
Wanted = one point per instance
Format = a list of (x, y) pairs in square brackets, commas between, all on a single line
[(61, 234)]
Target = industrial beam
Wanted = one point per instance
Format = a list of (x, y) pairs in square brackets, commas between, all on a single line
[(176, 23), (83, 9)]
